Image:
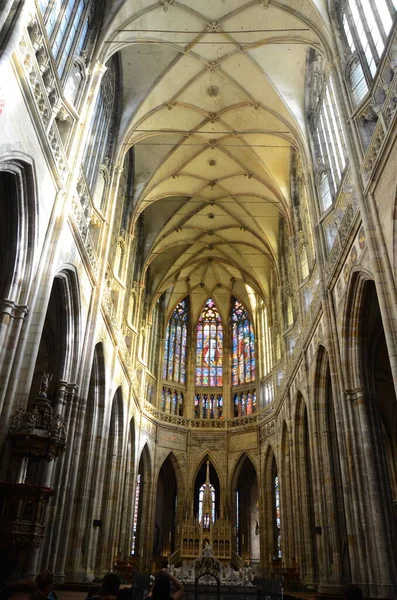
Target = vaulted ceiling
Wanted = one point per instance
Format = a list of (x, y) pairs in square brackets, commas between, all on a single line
[(213, 102)]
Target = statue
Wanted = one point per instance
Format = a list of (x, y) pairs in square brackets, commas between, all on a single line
[(208, 551), (45, 382)]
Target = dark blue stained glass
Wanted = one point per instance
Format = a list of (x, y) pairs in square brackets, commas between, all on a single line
[(174, 368), (243, 345), (162, 399)]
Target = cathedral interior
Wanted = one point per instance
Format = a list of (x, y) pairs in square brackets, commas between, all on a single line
[(198, 288)]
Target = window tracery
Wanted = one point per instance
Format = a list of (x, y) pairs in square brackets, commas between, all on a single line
[(326, 127), (243, 345), (67, 26), (172, 400), (174, 366), (365, 26), (98, 146), (205, 517), (209, 347), (244, 403), (208, 406)]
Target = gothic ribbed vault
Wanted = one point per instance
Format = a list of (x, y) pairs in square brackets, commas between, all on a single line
[(213, 103)]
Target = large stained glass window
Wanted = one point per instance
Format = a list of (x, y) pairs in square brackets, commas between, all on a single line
[(243, 358), (174, 368), (209, 348)]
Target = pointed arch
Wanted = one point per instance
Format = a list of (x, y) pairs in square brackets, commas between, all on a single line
[(18, 233), (271, 497), (143, 483), (287, 498), (306, 543), (90, 418), (111, 505), (168, 510), (218, 469), (128, 493), (245, 508), (199, 479), (352, 314), (328, 469), (238, 465), (58, 349), (372, 396)]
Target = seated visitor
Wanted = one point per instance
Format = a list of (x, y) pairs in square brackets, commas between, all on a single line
[(25, 589), (161, 590), (45, 582), (109, 588)]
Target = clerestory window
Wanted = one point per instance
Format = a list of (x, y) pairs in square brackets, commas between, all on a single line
[(67, 26), (174, 366), (365, 26)]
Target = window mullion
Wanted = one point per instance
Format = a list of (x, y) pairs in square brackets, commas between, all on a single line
[(359, 47), (368, 33), (378, 21), (334, 120), (70, 52), (392, 8), (327, 156), (331, 136), (58, 21), (67, 31)]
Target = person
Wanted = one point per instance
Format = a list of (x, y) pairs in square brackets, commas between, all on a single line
[(25, 589), (45, 582), (162, 588), (109, 588)]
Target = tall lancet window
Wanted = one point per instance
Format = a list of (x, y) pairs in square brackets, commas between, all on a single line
[(209, 350), (277, 518), (243, 361), (206, 514), (174, 368), (136, 509)]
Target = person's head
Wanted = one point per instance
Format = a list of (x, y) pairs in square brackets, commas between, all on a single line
[(111, 584), (353, 592), (24, 589), (162, 588), (44, 581)]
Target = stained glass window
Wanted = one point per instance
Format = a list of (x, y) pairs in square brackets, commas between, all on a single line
[(208, 406), (136, 508), (277, 513), (243, 358), (209, 349), (244, 403), (174, 368)]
